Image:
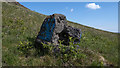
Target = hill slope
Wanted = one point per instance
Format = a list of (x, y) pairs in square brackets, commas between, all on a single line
[(21, 24)]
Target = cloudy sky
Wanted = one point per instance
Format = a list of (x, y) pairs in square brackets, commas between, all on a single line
[(100, 15)]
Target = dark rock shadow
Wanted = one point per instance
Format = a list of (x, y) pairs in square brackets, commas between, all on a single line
[(39, 50)]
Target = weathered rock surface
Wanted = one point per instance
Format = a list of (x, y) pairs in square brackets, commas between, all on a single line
[(70, 32), (55, 28)]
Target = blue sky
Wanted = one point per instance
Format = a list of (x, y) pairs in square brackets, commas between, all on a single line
[(100, 15)]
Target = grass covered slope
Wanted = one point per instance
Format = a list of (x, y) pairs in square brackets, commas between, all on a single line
[(106, 43), (19, 24), (22, 25)]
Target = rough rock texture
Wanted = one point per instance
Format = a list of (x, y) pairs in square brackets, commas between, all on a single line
[(70, 32), (55, 28)]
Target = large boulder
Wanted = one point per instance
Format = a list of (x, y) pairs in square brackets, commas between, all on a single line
[(55, 28)]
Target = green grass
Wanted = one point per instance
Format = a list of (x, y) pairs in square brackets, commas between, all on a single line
[(103, 42), (20, 24)]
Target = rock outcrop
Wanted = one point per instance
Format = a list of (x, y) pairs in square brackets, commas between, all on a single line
[(55, 28)]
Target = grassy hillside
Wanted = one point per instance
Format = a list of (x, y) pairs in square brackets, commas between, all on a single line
[(22, 25)]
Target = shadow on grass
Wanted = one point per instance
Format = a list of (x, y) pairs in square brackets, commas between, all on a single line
[(39, 51), (27, 48)]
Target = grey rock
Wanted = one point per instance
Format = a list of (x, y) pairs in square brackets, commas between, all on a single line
[(55, 28)]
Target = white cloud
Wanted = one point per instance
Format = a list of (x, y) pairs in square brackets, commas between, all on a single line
[(72, 10), (93, 6)]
